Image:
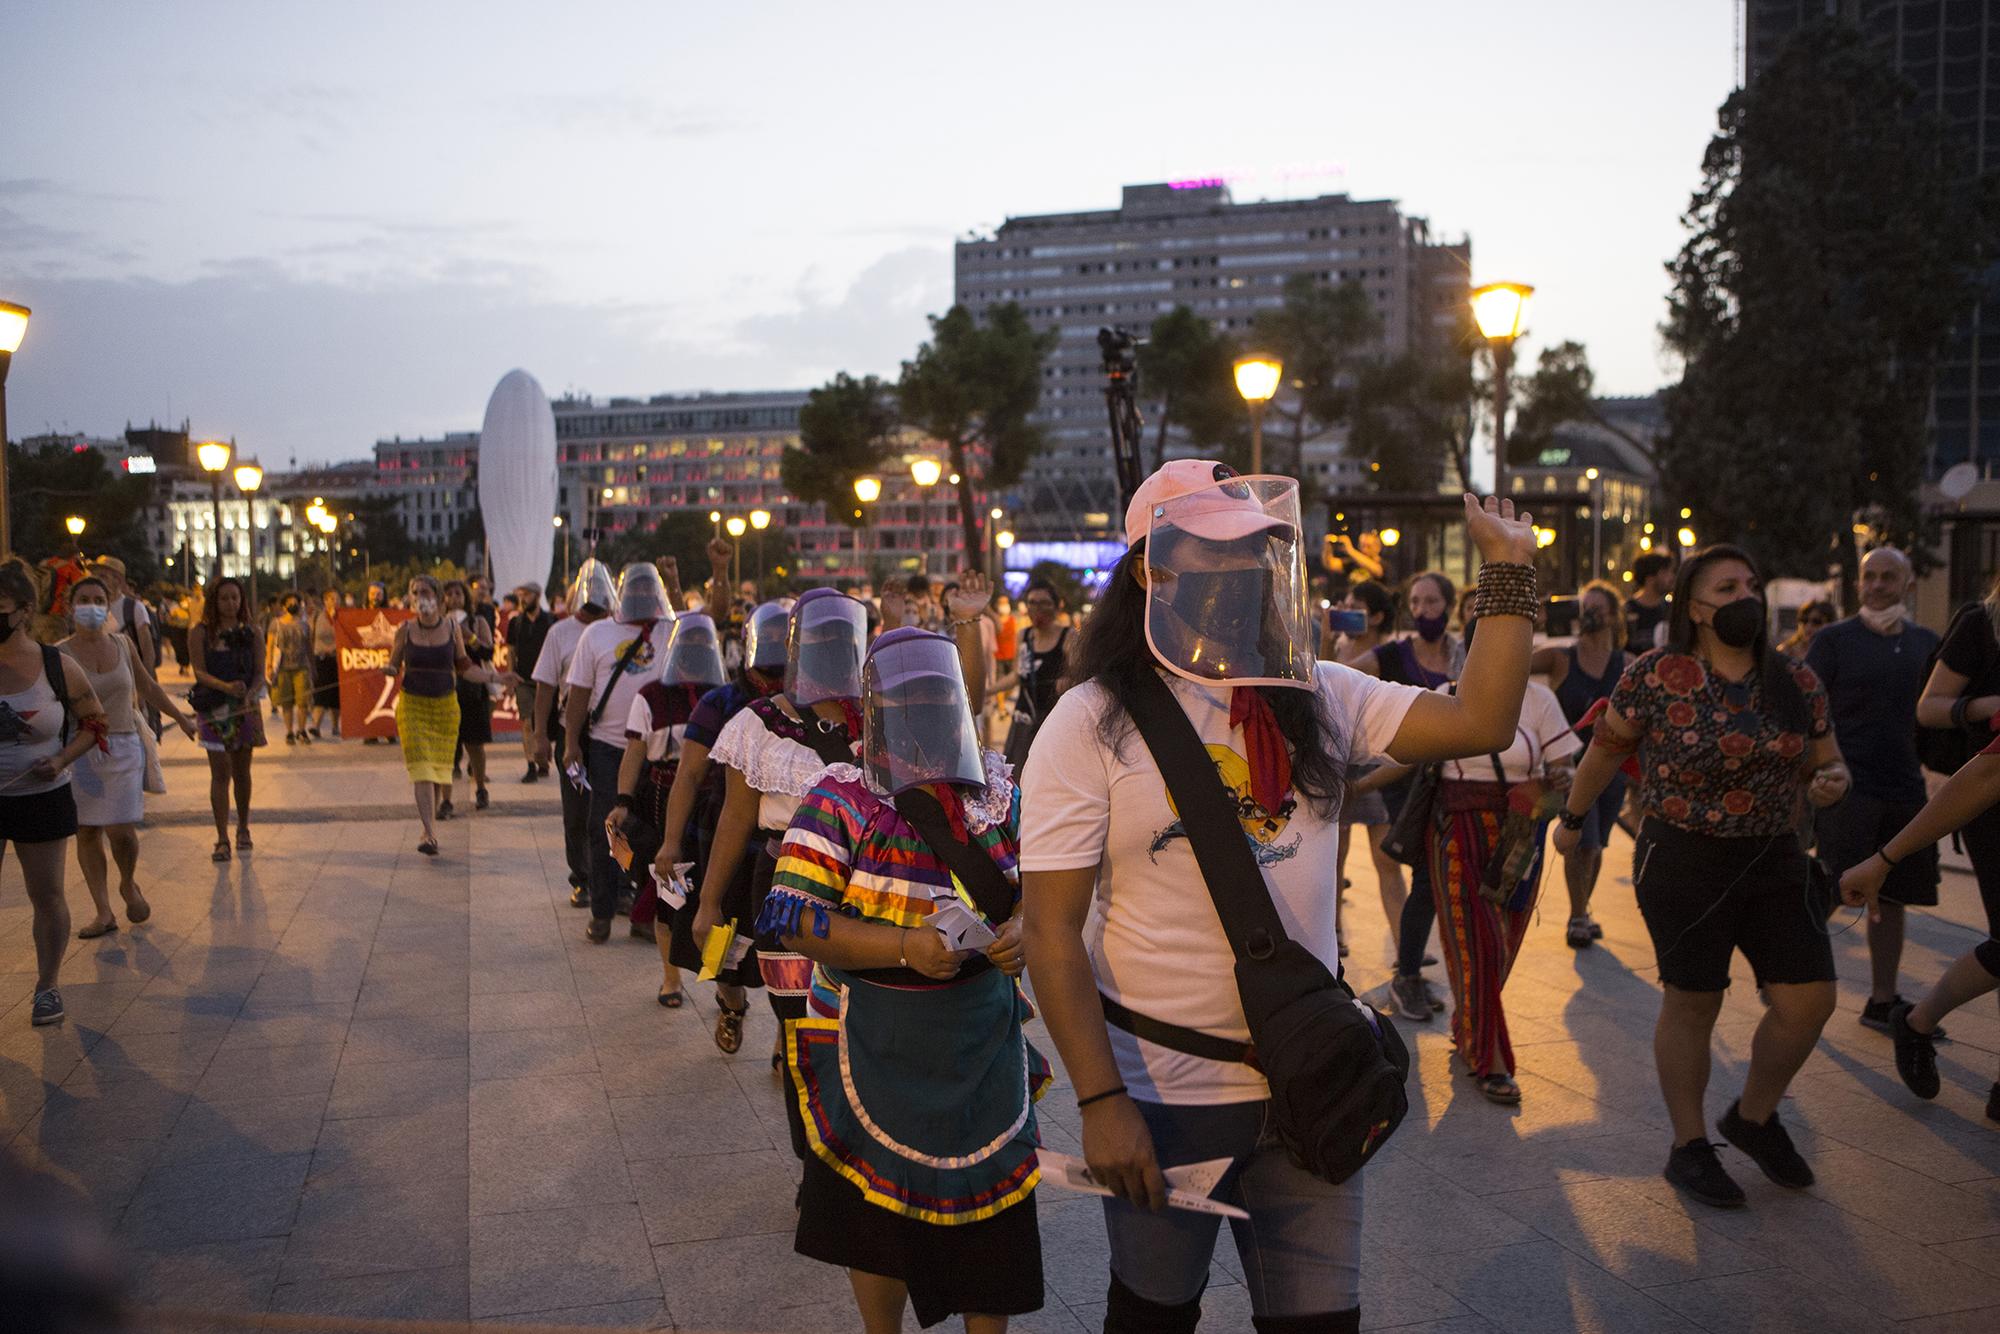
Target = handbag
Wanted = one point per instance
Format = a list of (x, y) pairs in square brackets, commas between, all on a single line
[(1409, 838), (155, 779), (1336, 1068)]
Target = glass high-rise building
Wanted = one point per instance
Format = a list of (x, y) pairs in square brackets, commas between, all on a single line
[(1950, 49)]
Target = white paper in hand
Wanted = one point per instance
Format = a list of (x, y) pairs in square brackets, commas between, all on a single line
[(675, 889), (960, 927), (1187, 1185)]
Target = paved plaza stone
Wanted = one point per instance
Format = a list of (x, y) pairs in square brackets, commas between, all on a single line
[(337, 1078)]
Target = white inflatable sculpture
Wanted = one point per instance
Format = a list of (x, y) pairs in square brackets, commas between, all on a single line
[(517, 481)]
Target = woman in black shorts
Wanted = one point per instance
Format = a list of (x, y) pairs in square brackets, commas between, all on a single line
[(48, 719), (1727, 731)]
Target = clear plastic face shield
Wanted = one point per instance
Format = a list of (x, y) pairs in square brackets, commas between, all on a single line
[(694, 654), (592, 587), (642, 595), (917, 727), (765, 636), (823, 652), (1226, 585)]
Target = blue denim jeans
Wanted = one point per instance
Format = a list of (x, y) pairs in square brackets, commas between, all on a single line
[(1300, 1249)]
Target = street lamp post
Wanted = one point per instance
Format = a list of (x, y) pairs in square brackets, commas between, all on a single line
[(214, 455), (993, 570), (867, 490), (74, 523), (737, 527), (13, 328), (1257, 380), (1596, 480), (565, 565), (1498, 309), (248, 478), (760, 520), (925, 472)]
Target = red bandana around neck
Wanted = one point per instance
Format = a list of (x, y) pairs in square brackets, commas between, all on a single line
[(949, 797), (1270, 762)]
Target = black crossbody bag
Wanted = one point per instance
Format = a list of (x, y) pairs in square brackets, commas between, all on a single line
[(1337, 1069)]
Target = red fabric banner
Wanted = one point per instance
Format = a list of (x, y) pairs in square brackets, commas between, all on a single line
[(362, 641)]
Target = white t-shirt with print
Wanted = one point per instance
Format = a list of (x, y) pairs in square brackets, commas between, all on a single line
[(598, 652), (552, 667), (1155, 942), (1542, 735)]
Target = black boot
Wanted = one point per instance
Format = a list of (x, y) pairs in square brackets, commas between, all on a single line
[(1319, 1322), (1126, 1312)]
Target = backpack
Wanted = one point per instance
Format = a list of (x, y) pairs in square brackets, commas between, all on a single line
[(1945, 750), (1337, 1069), (52, 667)]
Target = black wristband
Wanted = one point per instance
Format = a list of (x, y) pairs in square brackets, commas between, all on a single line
[(623, 802), (1082, 1103), (1887, 860), (1570, 820)]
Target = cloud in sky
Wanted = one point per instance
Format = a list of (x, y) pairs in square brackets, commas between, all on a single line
[(319, 225), (319, 370)]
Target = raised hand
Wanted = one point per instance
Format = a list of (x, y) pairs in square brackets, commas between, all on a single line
[(1498, 532), (974, 591), (719, 552), (895, 608)]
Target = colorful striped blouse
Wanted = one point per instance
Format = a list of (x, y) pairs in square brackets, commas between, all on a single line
[(848, 849)]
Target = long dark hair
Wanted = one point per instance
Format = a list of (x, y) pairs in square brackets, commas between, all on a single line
[(1783, 699), (1111, 650), (211, 609)]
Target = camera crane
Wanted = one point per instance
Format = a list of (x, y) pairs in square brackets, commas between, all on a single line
[(1121, 398)]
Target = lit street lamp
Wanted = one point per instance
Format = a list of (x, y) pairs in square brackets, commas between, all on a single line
[(867, 490), (13, 328), (565, 565), (214, 456), (736, 528), (759, 521), (1499, 309), (248, 478), (925, 473), (1257, 380), (1596, 480), (1391, 536), (75, 525)]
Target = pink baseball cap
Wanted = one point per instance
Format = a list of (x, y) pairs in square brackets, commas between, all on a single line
[(1217, 513)]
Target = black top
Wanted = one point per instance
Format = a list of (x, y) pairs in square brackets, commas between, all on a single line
[(1041, 673), (1872, 683), (1579, 689), (525, 635), (1640, 622)]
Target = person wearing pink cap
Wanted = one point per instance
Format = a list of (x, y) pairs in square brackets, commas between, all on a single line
[(1211, 599)]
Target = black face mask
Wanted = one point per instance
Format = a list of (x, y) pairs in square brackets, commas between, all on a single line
[(1738, 623), (7, 628), (1591, 622)]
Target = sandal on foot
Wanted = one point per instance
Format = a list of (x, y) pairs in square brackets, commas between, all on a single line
[(674, 999), (93, 931), (221, 853), (137, 909), (1501, 1089), (429, 847), (1578, 935), (480, 800), (729, 1028), (243, 843)]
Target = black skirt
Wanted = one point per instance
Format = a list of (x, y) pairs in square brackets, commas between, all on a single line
[(991, 1267), (475, 715), (738, 903), (326, 682)]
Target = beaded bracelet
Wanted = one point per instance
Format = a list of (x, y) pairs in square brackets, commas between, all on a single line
[(1505, 589)]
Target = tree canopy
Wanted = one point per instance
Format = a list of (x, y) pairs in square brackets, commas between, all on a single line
[(973, 387), (1325, 335), (48, 486), (1187, 377), (1836, 235)]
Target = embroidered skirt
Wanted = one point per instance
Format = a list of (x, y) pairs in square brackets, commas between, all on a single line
[(918, 1106), (428, 728)]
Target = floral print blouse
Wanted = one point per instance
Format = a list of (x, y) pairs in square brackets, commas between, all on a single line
[(1711, 759)]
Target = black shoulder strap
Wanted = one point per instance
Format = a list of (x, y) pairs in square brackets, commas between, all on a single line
[(829, 740), (987, 883), (624, 660), (52, 666), (1208, 813)]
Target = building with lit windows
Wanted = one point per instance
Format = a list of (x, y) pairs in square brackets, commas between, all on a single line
[(1189, 243)]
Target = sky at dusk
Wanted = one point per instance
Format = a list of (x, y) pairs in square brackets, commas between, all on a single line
[(312, 226)]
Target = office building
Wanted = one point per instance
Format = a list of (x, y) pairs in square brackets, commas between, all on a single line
[(1950, 50), (1189, 243)]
